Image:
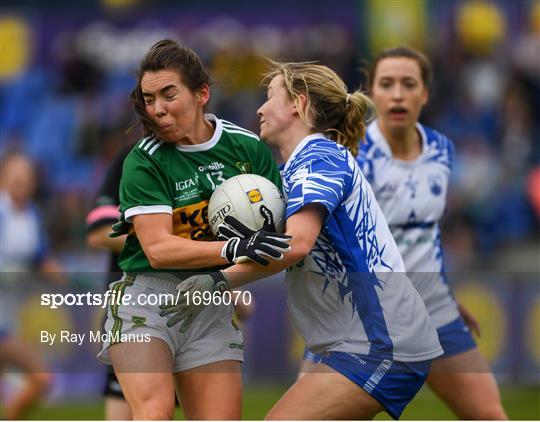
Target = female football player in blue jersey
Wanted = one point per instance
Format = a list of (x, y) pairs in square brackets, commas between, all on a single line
[(408, 166), (347, 289)]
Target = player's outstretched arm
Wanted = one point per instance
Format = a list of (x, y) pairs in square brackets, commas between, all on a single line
[(165, 250), (303, 229), (98, 238), (245, 245)]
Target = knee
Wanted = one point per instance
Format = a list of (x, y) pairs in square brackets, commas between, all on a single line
[(152, 409), (152, 412)]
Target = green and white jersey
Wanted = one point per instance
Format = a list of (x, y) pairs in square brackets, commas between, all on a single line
[(161, 177)]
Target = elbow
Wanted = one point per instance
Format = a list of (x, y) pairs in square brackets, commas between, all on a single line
[(299, 251), (156, 263), (154, 258)]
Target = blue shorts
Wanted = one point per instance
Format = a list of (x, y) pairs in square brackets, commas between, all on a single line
[(455, 338), (393, 384)]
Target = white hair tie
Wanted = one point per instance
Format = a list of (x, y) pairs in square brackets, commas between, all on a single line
[(348, 98)]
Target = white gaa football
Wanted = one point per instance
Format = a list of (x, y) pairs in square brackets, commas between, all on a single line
[(241, 196)]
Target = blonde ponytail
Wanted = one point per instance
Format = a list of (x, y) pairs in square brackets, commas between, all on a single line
[(353, 130), (330, 108)]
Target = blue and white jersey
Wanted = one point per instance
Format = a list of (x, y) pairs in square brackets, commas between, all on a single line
[(23, 243), (351, 293), (412, 195)]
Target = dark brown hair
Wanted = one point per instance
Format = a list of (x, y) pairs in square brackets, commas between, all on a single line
[(167, 55), (402, 51)]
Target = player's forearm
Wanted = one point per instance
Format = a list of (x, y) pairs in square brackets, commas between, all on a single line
[(241, 274), (99, 239), (172, 252)]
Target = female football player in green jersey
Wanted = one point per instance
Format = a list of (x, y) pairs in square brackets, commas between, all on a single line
[(167, 181)]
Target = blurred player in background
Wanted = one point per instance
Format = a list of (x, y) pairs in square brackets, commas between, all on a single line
[(17, 355), (99, 222), (408, 166), (24, 244), (23, 251), (167, 180), (348, 293)]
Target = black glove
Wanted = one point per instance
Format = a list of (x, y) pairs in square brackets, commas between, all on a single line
[(226, 231), (248, 244)]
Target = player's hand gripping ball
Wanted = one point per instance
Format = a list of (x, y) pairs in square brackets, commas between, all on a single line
[(251, 199)]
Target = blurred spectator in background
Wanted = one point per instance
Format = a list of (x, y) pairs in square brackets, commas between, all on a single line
[(18, 355), (23, 242), (23, 253)]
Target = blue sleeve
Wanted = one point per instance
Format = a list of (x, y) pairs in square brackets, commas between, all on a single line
[(451, 154), (323, 180), (365, 164), (444, 148)]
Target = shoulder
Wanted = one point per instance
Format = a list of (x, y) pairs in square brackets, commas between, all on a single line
[(368, 143), (321, 155), (147, 147), (437, 139), (440, 147), (149, 156), (374, 146), (246, 144), (146, 150), (238, 133), (35, 213)]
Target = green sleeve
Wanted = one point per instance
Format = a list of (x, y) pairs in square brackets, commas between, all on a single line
[(265, 165), (143, 183)]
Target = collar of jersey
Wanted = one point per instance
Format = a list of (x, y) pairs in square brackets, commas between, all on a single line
[(378, 137), (205, 146), (301, 146)]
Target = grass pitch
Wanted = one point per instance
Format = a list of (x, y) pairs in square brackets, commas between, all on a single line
[(519, 402)]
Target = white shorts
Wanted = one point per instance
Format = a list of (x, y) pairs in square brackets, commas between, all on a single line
[(211, 338)]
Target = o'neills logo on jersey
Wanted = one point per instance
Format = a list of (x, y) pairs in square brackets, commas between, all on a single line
[(184, 184), (216, 165)]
